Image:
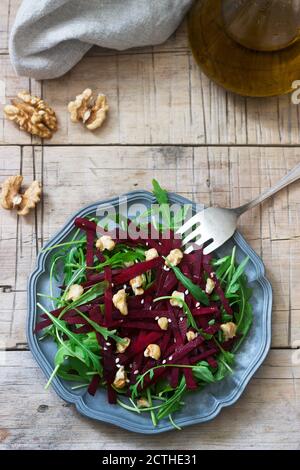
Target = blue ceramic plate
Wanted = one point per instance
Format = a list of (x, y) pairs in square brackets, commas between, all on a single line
[(199, 406)]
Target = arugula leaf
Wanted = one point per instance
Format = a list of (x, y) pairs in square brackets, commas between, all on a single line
[(195, 290), (160, 194), (89, 295), (173, 403), (61, 326), (163, 201), (225, 359), (237, 274), (101, 329), (202, 372)]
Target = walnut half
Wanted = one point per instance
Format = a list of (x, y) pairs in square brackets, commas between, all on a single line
[(32, 114), (11, 197), (91, 112)]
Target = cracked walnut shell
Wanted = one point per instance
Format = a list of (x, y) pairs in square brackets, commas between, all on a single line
[(91, 112), (33, 115)]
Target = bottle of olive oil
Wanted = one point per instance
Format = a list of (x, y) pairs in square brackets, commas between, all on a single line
[(251, 47)]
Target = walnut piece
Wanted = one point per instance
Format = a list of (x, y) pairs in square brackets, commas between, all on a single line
[(210, 285), (163, 323), (105, 243), (91, 112), (229, 330), (121, 347), (120, 301), (74, 292), (120, 378), (151, 254), (30, 198), (174, 257), (179, 299), (153, 351), (190, 335), (137, 284), (11, 197), (142, 403), (33, 115)]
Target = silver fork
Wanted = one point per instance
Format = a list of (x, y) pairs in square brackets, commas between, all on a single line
[(215, 225)]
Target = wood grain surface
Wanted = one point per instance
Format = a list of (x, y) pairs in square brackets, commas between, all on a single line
[(168, 121)]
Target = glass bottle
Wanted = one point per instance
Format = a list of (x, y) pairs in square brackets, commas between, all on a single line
[(251, 47)]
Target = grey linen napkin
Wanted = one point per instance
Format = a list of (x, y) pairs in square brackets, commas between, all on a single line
[(50, 36)]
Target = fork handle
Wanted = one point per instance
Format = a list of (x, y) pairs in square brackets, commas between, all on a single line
[(290, 177)]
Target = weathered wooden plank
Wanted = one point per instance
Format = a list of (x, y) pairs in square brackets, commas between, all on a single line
[(10, 85), (8, 11), (13, 319), (157, 95), (265, 417), (154, 99), (18, 247), (165, 99), (18, 234), (75, 176)]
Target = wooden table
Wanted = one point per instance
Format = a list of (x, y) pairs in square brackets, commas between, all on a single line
[(167, 120)]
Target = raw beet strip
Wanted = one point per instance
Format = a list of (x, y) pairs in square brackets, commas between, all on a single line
[(182, 351), (174, 325), (83, 329), (164, 342), (168, 284), (95, 278), (139, 345), (41, 325), (173, 376), (203, 355), (94, 385), (146, 314), (204, 311), (109, 367), (139, 268), (108, 295), (161, 279), (183, 327), (76, 320), (90, 238), (141, 326), (189, 378), (68, 317), (212, 362), (85, 224), (218, 288)]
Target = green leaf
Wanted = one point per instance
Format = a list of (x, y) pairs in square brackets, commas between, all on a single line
[(160, 194), (173, 403), (96, 291), (237, 274), (225, 359), (163, 201), (195, 290), (202, 372), (61, 326), (101, 329)]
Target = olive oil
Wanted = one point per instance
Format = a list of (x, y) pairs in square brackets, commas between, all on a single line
[(250, 47)]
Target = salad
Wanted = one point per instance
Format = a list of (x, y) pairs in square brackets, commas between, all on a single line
[(140, 318)]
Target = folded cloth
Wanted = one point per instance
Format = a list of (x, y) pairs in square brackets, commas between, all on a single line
[(50, 36)]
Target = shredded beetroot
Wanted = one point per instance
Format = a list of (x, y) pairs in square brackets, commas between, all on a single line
[(133, 271), (141, 325), (208, 268), (94, 385)]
